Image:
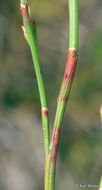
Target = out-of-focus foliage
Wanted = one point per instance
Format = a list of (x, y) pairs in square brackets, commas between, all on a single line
[(21, 147)]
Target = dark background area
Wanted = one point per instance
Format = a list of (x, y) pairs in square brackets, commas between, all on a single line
[(21, 141)]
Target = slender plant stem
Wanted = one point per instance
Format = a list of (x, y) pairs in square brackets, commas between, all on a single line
[(73, 21), (101, 114), (100, 185), (31, 37), (63, 95)]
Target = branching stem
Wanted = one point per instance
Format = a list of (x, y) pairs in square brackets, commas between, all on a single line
[(51, 148)]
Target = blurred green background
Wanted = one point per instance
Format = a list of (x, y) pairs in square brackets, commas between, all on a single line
[(21, 142)]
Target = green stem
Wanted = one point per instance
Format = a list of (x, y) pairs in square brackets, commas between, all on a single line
[(100, 186), (45, 121), (101, 114), (64, 93), (73, 21), (30, 35)]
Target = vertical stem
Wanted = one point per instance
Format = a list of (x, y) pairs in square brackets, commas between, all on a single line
[(44, 110), (30, 35), (101, 114), (100, 185), (64, 93), (73, 22)]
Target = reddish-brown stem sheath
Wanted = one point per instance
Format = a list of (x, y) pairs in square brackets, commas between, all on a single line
[(71, 64), (44, 112), (55, 140), (69, 74), (25, 14), (62, 99)]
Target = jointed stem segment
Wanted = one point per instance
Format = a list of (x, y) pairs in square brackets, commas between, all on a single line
[(31, 37), (64, 93), (61, 104)]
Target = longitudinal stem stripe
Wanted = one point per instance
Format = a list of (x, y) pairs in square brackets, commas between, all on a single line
[(64, 93), (30, 35)]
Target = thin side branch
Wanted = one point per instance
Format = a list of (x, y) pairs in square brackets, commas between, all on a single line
[(30, 34)]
